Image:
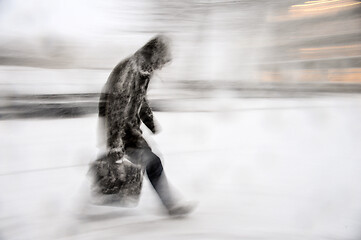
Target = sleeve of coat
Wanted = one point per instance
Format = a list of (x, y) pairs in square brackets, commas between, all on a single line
[(115, 123), (102, 104), (101, 129), (146, 115)]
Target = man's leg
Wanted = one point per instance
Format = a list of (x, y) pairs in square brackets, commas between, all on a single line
[(158, 179)]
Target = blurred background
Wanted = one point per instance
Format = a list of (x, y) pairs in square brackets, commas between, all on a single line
[(260, 108), (52, 51)]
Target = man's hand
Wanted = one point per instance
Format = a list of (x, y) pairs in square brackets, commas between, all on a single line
[(115, 155), (155, 129)]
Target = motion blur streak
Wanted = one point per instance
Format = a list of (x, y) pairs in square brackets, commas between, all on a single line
[(259, 112)]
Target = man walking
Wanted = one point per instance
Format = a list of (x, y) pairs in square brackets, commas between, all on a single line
[(123, 106)]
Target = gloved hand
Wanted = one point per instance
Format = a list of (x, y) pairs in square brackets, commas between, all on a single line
[(155, 129), (115, 155)]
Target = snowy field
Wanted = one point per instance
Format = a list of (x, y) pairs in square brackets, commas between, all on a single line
[(284, 169)]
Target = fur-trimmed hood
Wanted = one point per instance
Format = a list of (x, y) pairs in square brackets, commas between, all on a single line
[(123, 104)]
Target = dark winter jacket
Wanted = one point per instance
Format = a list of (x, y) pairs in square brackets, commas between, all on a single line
[(123, 103)]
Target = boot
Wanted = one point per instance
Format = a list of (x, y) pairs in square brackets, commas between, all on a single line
[(167, 195), (182, 208)]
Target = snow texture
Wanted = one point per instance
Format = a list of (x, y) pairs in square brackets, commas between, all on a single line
[(287, 170)]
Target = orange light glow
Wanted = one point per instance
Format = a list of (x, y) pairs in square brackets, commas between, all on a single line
[(347, 75), (315, 8), (331, 7), (311, 3)]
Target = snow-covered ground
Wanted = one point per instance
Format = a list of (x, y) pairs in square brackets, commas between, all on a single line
[(271, 169)]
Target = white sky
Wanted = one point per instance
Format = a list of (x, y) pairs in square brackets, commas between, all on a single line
[(66, 18)]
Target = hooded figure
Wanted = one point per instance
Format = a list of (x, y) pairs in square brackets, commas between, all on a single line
[(123, 106), (123, 103)]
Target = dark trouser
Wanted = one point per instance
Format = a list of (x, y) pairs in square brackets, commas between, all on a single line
[(155, 173)]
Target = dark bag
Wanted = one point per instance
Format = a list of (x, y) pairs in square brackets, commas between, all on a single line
[(118, 183)]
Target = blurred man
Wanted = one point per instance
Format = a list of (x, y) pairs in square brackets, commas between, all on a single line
[(123, 106)]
